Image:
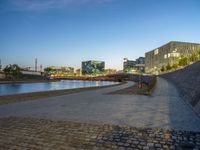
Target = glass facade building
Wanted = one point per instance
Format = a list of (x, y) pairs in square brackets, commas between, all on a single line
[(129, 66), (93, 67), (59, 71), (134, 66), (140, 64)]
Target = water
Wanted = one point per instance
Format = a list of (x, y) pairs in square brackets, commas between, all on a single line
[(18, 88)]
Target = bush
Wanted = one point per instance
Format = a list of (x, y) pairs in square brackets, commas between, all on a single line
[(168, 67), (162, 69), (183, 61), (194, 56), (175, 66)]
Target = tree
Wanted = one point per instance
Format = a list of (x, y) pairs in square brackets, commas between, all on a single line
[(47, 70), (13, 70), (175, 66), (16, 71), (162, 68), (198, 52), (7, 70)]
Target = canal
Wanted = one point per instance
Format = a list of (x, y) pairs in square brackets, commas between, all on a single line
[(18, 88)]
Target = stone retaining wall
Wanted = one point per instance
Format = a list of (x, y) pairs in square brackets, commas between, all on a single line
[(187, 81)]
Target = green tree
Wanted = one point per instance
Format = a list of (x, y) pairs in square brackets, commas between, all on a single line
[(47, 70), (7, 70), (162, 68), (168, 67), (16, 71), (183, 61), (198, 53), (175, 66), (13, 70)]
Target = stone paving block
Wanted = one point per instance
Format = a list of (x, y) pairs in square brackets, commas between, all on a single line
[(42, 134)]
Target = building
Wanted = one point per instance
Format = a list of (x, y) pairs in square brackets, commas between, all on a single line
[(93, 67), (129, 66), (134, 66), (59, 71), (110, 71), (140, 64), (2, 75), (167, 54), (31, 72), (78, 72)]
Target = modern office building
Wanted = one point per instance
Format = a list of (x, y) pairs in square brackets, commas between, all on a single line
[(167, 54), (93, 67), (129, 66), (140, 64), (134, 66), (59, 71)]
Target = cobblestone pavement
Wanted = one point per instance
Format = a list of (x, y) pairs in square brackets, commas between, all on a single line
[(41, 134)]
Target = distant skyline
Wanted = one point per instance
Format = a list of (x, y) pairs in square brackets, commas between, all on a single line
[(67, 32)]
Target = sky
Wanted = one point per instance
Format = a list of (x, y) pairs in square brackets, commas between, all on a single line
[(66, 32)]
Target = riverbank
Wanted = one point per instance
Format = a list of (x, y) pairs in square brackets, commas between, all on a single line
[(25, 81), (5, 99), (87, 78), (100, 78)]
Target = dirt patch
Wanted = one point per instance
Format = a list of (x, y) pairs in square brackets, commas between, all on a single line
[(138, 88)]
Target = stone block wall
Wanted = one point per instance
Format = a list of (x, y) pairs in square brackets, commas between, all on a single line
[(187, 80)]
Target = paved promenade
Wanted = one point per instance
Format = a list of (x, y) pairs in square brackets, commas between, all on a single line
[(164, 109), (95, 120), (40, 134)]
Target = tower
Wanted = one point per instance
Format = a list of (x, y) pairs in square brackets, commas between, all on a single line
[(35, 64), (40, 68)]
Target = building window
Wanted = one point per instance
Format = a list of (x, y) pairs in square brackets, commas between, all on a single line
[(156, 51), (165, 56), (175, 54)]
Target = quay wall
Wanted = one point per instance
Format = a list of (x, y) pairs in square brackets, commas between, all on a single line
[(187, 80)]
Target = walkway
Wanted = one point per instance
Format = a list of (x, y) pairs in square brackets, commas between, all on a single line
[(164, 109), (40, 134)]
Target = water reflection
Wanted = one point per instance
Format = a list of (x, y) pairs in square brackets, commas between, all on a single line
[(6, 89)]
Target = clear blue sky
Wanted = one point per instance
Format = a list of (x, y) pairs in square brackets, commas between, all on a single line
[(66, 32)]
